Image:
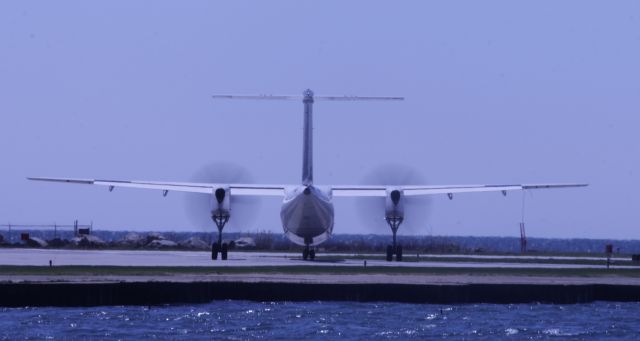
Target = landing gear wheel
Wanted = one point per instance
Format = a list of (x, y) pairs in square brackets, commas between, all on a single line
[(305, 253), (312, 254), (394, 220), (223, 253), (220, 218), (214, 251), (389, 253)]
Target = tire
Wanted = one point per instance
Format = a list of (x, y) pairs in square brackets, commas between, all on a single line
[(389, 253), (312, 254), (305, 254), (399, 253), (225, 250), (214, 251)]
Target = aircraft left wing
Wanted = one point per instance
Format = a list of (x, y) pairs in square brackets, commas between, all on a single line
[(380, 191), (208, 188)]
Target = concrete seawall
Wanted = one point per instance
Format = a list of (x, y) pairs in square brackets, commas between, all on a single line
[(160, 292)]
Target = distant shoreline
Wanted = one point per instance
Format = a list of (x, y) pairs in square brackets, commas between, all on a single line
[(273, 241)]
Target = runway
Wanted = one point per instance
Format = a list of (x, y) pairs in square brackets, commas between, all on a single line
[(122, 277), (41, 257)]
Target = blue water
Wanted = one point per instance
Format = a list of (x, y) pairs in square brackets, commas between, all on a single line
[(238, 320)]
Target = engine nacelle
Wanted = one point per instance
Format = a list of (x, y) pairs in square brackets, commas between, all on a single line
[(394, 207), (221, 205)]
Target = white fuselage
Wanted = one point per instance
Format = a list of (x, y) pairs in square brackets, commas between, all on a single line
[(307, 214), (307, 211)]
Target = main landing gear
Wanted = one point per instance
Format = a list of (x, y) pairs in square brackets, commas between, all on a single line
[(221, 219), (394, 222)]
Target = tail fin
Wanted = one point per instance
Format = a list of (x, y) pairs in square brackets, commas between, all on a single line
[(307, 139)]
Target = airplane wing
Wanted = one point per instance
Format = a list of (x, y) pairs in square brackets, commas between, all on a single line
[(208, 188), (380, 191), (278, 190)]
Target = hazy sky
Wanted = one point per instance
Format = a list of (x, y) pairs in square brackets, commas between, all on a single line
[(496, 92)]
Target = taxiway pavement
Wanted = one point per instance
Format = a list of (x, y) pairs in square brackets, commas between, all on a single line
[(41, 257)]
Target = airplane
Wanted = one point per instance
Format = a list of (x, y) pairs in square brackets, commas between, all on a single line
[(307, 213)]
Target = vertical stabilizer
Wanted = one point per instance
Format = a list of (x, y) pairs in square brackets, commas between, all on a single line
[(307, 142), (307, 139)]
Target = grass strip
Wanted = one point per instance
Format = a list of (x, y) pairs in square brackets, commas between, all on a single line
[(303, 270), (413, 258)]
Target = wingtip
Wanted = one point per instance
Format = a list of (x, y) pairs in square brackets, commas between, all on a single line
[(38, 178)]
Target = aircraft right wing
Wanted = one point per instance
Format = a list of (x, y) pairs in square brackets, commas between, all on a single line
[(380, 191)]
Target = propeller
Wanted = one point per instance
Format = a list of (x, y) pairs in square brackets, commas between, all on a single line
[(371, 210), (244, 209)]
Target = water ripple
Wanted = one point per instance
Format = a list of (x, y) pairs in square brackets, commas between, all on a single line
[(239, 320)]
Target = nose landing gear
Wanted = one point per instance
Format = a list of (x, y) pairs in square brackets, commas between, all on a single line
[(308, 252), (220, 218), (394, 223)]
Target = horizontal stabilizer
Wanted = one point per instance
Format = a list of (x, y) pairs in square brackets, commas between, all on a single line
[(316, 98)]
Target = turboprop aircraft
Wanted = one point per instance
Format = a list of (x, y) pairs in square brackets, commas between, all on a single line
[(307, 209)]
